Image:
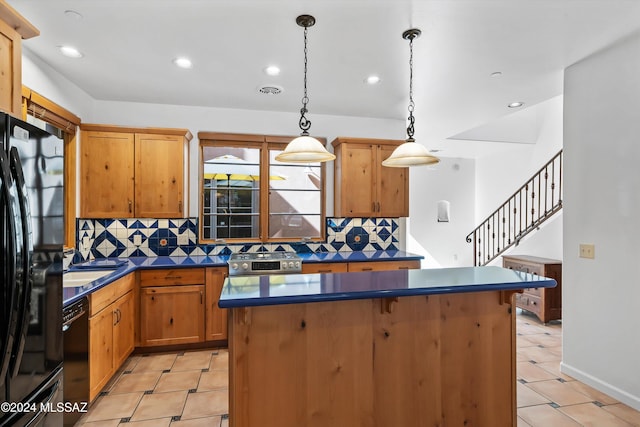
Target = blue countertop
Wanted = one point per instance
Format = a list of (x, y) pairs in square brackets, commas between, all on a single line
[(72, 294), (244, 291)]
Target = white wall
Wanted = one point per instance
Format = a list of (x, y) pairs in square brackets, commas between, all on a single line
[(505, 171), (39, 76), (601, 333), (443, 244)]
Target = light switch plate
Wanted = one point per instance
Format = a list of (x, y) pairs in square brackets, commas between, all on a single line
[(183, 240), (340, 237), (137, 239), (587, 251)]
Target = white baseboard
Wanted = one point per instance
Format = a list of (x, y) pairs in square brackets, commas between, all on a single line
[(602, 386)]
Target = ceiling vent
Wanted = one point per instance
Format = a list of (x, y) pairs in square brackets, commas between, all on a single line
[(270, 89)]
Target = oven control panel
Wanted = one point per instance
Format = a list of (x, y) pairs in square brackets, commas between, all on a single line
[(264, 263)]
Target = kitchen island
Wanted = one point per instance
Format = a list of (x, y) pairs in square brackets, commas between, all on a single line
[(392, 348)]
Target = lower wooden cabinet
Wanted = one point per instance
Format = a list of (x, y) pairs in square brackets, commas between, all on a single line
[(111, 331), (325, 267), (215, 317), (545, 303), (172, 306)]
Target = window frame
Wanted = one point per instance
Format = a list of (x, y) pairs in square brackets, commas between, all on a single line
[(264, 143)]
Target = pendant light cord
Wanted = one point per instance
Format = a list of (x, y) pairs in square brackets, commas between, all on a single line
[(410, 128), (305, 124)]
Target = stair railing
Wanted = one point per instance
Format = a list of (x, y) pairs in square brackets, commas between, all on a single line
[(531, 205)]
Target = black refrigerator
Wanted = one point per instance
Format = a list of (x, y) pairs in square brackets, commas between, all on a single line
[(31, 236)]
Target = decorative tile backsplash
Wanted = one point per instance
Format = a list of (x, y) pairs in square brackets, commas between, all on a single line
[(178, 237)]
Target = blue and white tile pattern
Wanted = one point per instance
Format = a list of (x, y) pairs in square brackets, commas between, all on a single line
[(179, 237)]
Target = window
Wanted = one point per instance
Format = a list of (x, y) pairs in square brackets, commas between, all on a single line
[(249, 196)]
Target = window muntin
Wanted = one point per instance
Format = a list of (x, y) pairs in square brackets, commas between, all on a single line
[(231, 193), (238, 205), (295, 203)]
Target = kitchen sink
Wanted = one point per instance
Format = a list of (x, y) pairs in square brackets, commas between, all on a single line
[(81, 278)]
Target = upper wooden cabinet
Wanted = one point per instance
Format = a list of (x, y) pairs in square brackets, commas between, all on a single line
[(13, 28), (129, 172), (362, 186)]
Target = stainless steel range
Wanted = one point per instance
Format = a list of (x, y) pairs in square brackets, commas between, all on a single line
[(264, 263)]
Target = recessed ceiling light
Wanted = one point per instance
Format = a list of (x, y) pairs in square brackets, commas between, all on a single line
[(372, 80), (70, 51), (72, 14), (183, 62), (272, 70), (270, 89), (515, 105), (496, 74)]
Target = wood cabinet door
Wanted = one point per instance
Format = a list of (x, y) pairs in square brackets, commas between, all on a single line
[(216, 317), (100, 350), (10, 70), (393, 187), (159, 176), (106, 164), (171, 315), (358, 181), (123, 336)]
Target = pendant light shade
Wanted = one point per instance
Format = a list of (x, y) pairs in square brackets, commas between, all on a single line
[(305, 149), (410, 153)]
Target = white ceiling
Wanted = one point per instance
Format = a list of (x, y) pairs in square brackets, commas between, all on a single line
[(129, 46)]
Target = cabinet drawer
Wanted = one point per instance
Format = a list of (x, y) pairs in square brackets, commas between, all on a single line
[(325, 267), (527, 268), (538, 292), (108, 294), (178, 276), (529, 302), (384, 265)]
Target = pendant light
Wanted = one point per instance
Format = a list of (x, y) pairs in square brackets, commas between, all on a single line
[(410, 153), (305, 149)]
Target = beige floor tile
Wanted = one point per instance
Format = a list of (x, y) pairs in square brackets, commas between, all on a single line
[(528, 397), (193, 360), (224, 423), (175, 381), (522, 423), (554, 367), (624, 412), (113, 407), (591, 415), (155, 362), (545, 416), (540, 355), (559, 392), (524, 341), (206, 404), (592, 393), (198, 422), (531, 372), (143, 381), (220, 361), (213, 380), (131, 362), (160, 405), (526, 328), (159, 422), (546, 340), (108, 423)]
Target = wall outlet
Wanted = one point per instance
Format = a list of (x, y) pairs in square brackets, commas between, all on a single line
[(587, 251), (137, 239), (340, 237), (183, 240)]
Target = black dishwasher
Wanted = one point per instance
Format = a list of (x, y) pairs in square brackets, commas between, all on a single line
[(75, 319)]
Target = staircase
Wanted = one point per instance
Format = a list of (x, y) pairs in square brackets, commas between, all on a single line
[(531, 205)]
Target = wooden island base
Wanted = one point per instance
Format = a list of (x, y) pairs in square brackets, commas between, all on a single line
[(437, 360)]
